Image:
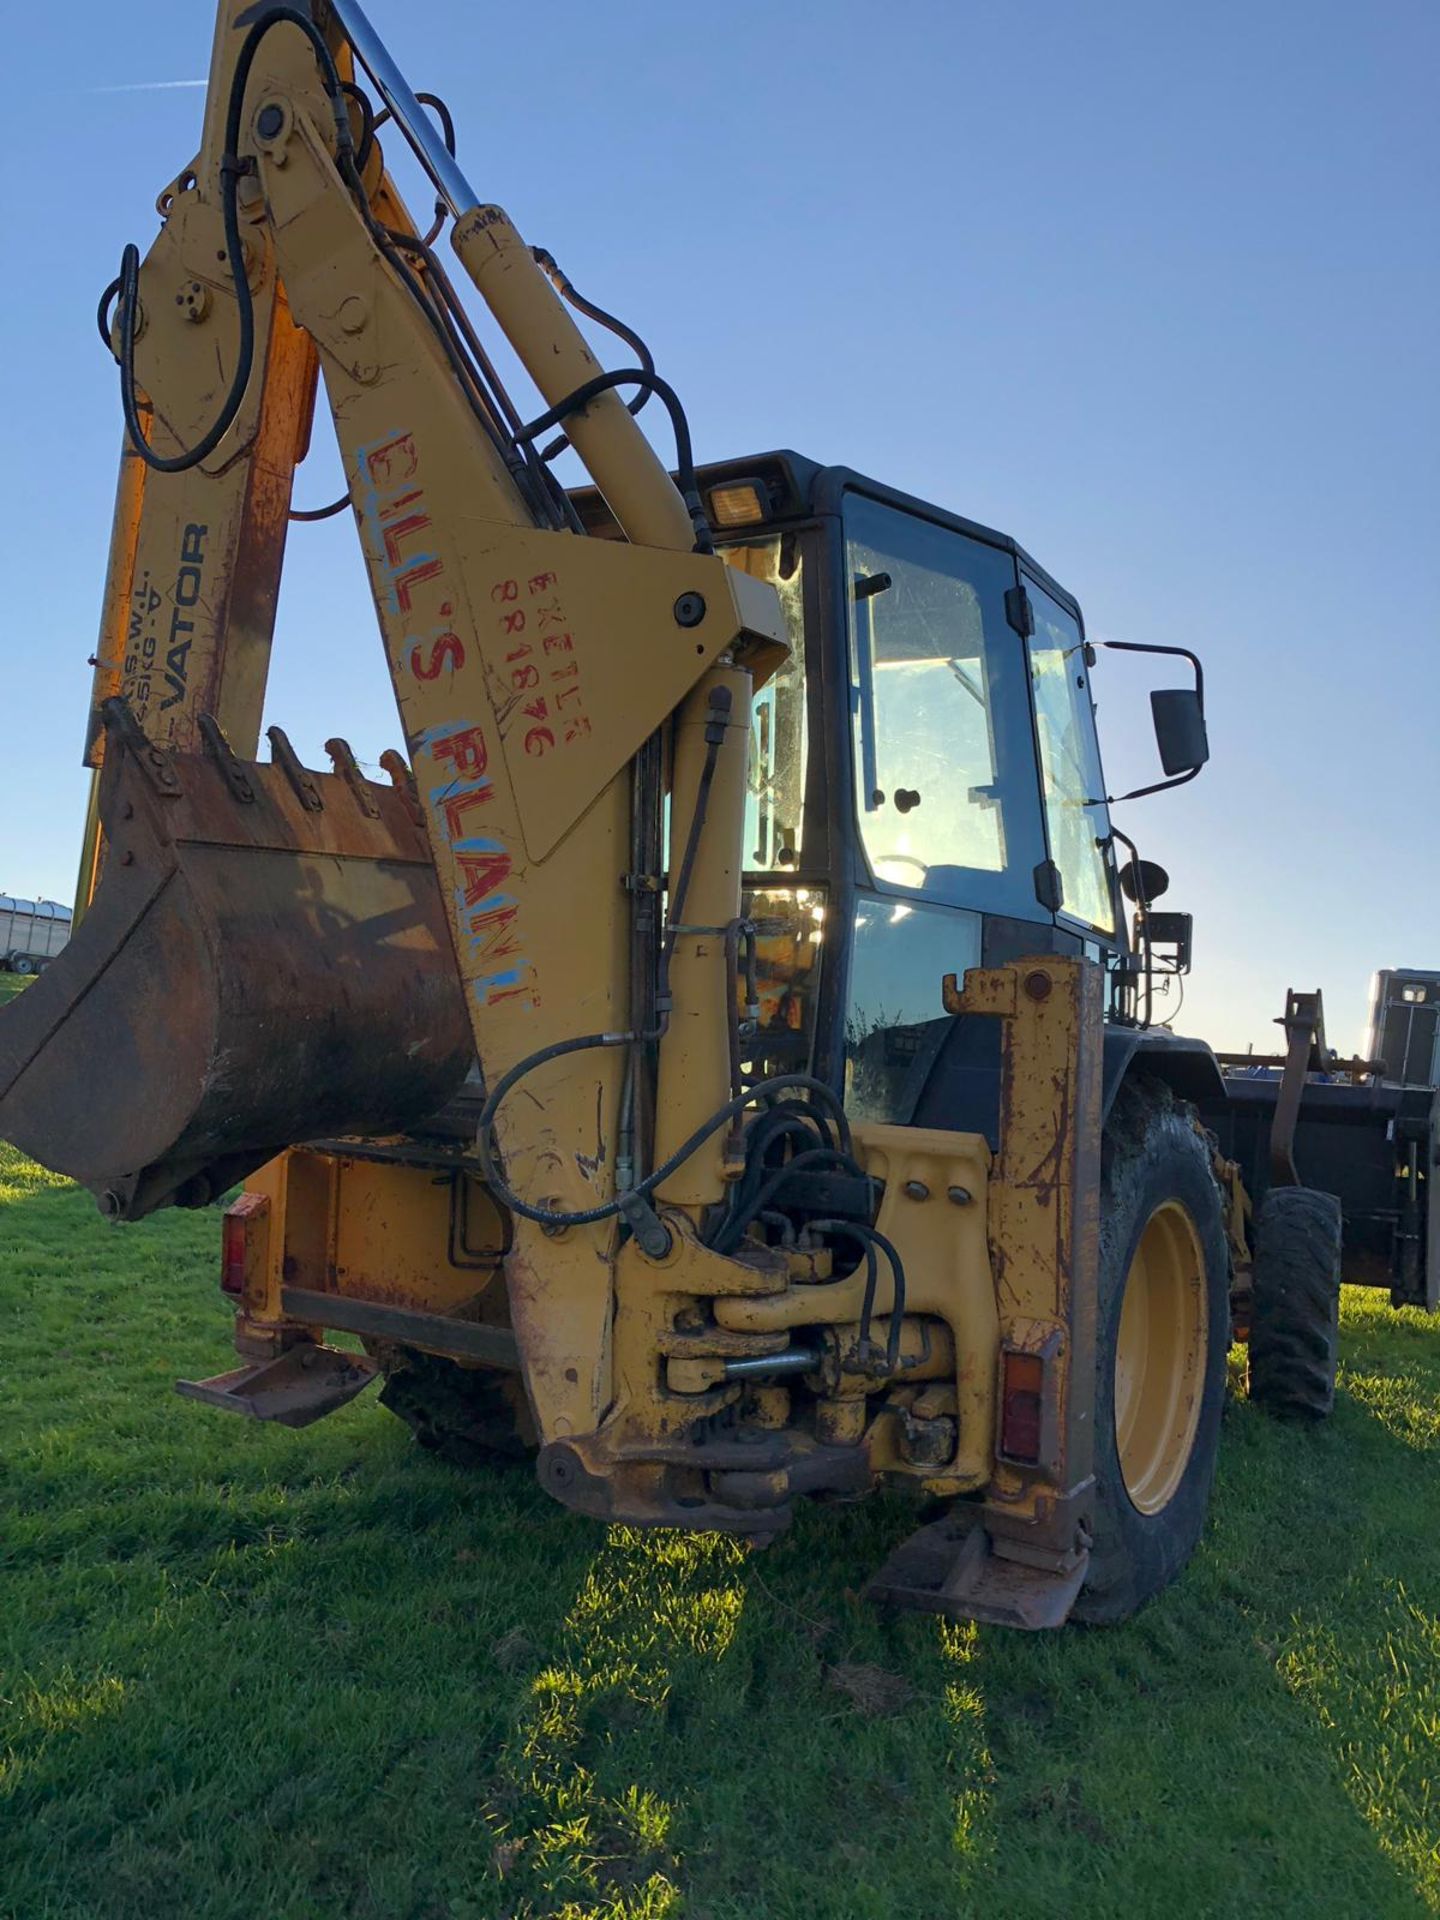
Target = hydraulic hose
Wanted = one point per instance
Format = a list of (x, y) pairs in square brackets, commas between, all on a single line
[(870, 1240), (728, 1235), (477, 375), (232, 168), (670, 400), (548, 1216), (716, 716), (321, 513), (567, 290)]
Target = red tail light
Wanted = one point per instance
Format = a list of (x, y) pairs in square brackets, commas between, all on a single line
[(238, 1235), (1022, 1405)]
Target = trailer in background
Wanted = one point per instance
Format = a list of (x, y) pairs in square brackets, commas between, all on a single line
[(1405, 1025), (32, 932), (1366, 1130)]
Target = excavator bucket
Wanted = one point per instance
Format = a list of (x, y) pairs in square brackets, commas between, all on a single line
[(266, 961)]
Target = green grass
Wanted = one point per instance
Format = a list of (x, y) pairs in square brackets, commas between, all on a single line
[(255, 1673), (11, 983)]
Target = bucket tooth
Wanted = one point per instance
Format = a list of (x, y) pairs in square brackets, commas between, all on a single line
[(403, 781), (218, 748), (247, 977), (348, 767), (284, 756), (124, 734)]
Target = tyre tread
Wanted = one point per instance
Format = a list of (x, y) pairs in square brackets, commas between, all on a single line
[(464, 1415), (1147, 1118), (1295, 1310)]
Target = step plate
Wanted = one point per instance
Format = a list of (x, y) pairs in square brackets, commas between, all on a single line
[(295, 1389), (951, 1567)]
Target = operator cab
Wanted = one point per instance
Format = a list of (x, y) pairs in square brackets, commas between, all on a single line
[(926, 792)]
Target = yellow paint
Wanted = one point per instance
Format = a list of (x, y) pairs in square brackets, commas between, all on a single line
[(529, 666), (1160, 1357)]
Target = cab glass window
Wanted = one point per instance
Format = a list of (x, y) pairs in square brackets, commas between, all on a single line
[(1075, 815), (899, 956), (937, 690), (774, 802), (779, 964)]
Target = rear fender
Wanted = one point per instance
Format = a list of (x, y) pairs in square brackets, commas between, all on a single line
[(1188, 1067)]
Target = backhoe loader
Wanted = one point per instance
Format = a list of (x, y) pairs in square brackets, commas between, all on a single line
[(714, 1063)]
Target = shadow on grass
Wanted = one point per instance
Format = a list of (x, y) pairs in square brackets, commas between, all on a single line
[(314, 1674), (1257, 1741)]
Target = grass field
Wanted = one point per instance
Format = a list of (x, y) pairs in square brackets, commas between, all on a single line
[(253, 1673)]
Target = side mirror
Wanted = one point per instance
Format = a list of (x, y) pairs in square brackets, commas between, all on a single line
[(1180, 729), (1179, 716)]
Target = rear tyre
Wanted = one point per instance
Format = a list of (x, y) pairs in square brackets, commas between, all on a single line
[(22, 964), (470, 1416), (1162, 1335), (1295, 1305)]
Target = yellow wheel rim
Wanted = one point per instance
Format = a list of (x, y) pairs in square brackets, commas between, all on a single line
[(1160, 1357)]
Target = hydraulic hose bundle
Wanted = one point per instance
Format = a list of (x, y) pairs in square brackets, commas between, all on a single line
[(813, 1130), (478, 380)]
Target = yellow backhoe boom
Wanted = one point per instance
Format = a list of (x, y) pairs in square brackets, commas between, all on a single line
[(694, 1066)]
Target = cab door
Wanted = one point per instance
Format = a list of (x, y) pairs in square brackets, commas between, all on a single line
[(1077, 821), (947, 808)]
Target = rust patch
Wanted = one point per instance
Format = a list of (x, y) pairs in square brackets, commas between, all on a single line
[(258, 973), (589, 1164)]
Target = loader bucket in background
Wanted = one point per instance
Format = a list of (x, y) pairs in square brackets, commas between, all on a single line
[(266, 961)]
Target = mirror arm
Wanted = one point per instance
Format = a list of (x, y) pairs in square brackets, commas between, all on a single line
[(1182, 653), (1160, 786), (1143, 916)]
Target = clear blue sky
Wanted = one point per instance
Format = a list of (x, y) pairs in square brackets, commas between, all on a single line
[(1153, 288)]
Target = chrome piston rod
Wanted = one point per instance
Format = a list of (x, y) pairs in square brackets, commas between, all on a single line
[(788, 1360), (411, 118)]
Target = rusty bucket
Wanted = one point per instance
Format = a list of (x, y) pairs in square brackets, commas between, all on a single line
[(265, 961)]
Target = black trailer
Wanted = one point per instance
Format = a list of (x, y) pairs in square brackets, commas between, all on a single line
[(1365, 1130)]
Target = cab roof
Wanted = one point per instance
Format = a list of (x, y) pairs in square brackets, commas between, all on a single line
[(801, 489)]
